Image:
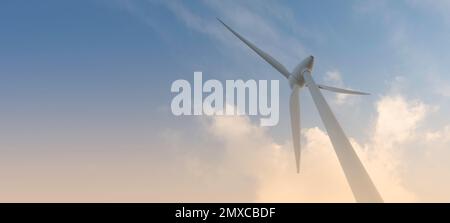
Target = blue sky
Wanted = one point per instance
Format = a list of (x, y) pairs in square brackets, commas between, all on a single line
[(78, 74), (89, 57)]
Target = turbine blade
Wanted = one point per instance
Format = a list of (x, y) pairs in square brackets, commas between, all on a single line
[(341, 90), (269, 59), (294, 106), (359, 180)]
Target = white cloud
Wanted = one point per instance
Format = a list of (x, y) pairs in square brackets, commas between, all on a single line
[(250, 160), (397, 120)]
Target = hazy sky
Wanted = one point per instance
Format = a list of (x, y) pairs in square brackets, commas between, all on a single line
[(85, 99)]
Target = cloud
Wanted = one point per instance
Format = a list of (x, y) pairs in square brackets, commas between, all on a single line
[(406, 160), (396, 125), (397, 120), (252, 167)]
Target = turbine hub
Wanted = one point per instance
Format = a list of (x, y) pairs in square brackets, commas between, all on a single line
[(297, 75)]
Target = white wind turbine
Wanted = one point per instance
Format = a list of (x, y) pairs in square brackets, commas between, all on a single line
[(359, 180)]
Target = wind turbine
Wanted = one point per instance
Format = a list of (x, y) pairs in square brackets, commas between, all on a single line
[(357, 177)]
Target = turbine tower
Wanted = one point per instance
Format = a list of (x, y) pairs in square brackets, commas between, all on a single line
[(362, 187)]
